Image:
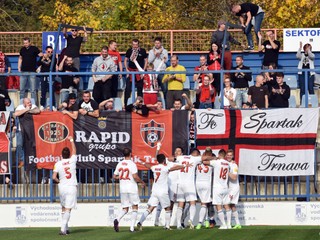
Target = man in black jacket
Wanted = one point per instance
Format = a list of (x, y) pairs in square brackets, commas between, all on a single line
[(280, 93), (240, 81)]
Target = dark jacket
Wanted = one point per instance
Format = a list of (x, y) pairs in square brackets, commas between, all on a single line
[(278, 100)]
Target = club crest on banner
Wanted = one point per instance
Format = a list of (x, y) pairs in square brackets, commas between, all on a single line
[(102, 122), (53, 132), (21, 215), (152, 132)]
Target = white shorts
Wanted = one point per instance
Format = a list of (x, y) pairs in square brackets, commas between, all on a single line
[(68, 196), (173, 190), (204, 191), (129, 199), (220, 196), (186, 192), (234, 195), (161, 197)]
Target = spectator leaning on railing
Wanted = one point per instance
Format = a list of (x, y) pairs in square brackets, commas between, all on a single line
[(4, 65), (70, 106)]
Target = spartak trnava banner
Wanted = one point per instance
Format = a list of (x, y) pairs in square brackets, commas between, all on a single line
[(100, 141), (275, 142)]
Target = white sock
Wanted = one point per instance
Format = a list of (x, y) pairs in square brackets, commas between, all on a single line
[(179, 215), (228, 213), (236, 216), (221, 217), (192, 211), (122, 213), (202, 213), (65, 220), (159, 208), (167, 219), (185, 212), (133, 219), (144, 216)]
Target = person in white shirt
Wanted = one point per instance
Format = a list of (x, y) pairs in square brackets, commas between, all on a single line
[(173, 179), (127, 173), (66, 169), (26, 107), (160, 189), (204, 187), (186, 185), (220, 190), (234, 187), (229, 94)]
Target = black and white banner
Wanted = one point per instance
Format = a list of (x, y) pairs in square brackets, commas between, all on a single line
[(278, 142)]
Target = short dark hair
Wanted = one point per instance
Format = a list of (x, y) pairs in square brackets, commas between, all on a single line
[(49, 47), (135, 40), (239, 56), (222, 152), (178, 99), (26, 39), (161, 158), (112, 41), (175, 56), (280, 74), (86, 92), (195, 150), (158, 39), (65, 153), (105, 48), (181, 148), (126, 152)]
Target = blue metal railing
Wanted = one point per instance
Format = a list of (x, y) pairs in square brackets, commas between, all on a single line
[(95, 184)]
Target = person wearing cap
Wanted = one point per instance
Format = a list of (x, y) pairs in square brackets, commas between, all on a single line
[(138, 107), (70, 106), (73, 45), (217, 37)]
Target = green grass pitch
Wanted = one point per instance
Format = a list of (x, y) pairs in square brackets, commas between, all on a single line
[(155, 233)]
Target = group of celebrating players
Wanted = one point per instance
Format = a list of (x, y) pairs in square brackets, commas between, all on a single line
[(183, 179)]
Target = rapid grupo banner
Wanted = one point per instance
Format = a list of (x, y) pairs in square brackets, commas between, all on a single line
[(100, 141), (277, 142)]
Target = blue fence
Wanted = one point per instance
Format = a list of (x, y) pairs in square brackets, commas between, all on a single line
[(97, 185)]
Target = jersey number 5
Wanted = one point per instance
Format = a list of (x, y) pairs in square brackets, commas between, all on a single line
[(67, 172)]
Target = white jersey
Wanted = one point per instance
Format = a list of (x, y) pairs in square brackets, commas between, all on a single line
[(174, 175), (125, 170), (160, 176), (234, 170), (66, 168), (204, 173), (221, 173), (187, 174)]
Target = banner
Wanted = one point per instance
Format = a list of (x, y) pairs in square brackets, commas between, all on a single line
[(277, 142), (49, 38), (293, 36), (4, 144), (100, 141), (44, 137)]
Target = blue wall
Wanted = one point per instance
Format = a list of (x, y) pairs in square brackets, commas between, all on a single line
[(287, 61)]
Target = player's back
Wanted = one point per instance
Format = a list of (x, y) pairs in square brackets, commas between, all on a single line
[(220, 173), (66, 168), (160, 174), (125, 170), (187, 174), (203, 173)]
